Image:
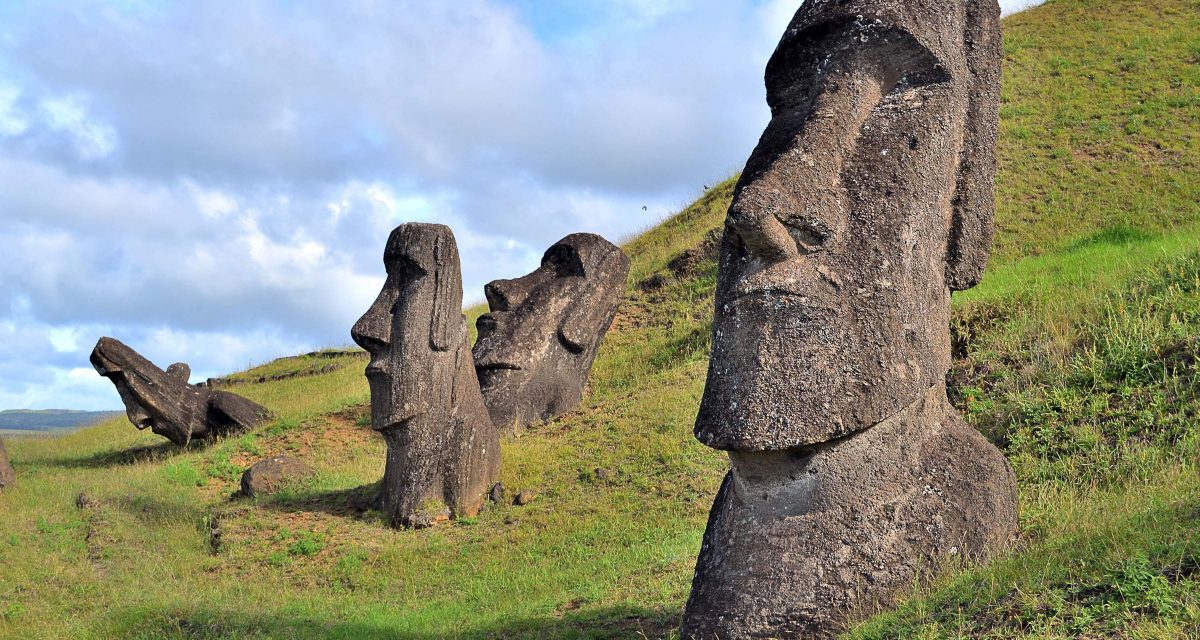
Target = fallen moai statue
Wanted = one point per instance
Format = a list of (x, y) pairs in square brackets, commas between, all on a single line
[(443, 450), (537, 344), (868, 199), (165, 403)]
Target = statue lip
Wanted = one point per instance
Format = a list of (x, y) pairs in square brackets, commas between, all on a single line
[(144, 423), (374, 370), (498, 366), (487, 321), (775, 291)]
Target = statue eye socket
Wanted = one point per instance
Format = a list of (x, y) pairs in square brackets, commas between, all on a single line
[(564, 261), (810, 235), (405, 268), (409, 267)]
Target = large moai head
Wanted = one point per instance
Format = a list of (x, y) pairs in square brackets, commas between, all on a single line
[(165, 403), (867, 200), (415, 329), (537, 344), (161, 401)]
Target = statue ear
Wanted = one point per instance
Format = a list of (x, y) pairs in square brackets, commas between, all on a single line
[(179, 372), (586, 318), (446, 325), (974, 207)]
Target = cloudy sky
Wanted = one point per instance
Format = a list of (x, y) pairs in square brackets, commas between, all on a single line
[(213, 182)]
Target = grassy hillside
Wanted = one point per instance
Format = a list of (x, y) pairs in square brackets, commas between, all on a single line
[(1077, 355)]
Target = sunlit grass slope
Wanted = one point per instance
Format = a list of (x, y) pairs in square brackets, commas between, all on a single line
[(1077, 355)]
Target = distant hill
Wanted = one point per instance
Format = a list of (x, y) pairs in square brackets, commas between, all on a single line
[(51, 419)]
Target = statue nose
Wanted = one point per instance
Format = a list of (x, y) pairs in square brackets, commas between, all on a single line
[(373, 330), (503, 295), (763, 235)]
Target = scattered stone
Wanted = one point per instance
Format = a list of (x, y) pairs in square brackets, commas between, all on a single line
[(511, 520), (537, 344), (84, 501), (442, 446), (270, 474), (524, 498), (496, 495), (164, 402), (7, 475), (603, 474), (868, 198)]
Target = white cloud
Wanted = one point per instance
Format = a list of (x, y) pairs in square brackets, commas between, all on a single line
[(12, 122), (93, 140)]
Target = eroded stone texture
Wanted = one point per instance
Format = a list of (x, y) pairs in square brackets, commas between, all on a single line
[(537, 344), (443, 450), (7, 475), (164, 402), (867, 200)]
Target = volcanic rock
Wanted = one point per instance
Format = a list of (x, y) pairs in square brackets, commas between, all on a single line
[(443, 450), (270, 474), (165, 403), (868, 199), (537, 343)]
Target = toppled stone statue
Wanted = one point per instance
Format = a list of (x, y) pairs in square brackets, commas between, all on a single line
[(7, 475), (868, 199), (443, 451), (537, 344), (164, 402)]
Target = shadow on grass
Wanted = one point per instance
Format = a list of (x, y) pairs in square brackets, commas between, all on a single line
[(603, 624), (356, 503), (146, 453)]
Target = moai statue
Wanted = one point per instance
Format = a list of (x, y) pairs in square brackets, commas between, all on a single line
[(164, 402), (868, 199), (7, 476), (443, 451), (537, 344)]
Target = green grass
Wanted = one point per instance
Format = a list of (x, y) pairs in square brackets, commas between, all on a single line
[(1077, 355)]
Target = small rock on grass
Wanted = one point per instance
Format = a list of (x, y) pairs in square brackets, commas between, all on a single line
[(270, 474), (524, 498)]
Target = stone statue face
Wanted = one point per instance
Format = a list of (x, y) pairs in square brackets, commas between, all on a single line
[(154, 399), (537, 343), (414, 328), (832, 303)]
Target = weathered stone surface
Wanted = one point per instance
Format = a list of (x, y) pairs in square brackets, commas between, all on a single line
[(537, 344), (7, 475), (524, 498), (164, 402), (867, 200), (443, 450), (797, 540), (270, 474)]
